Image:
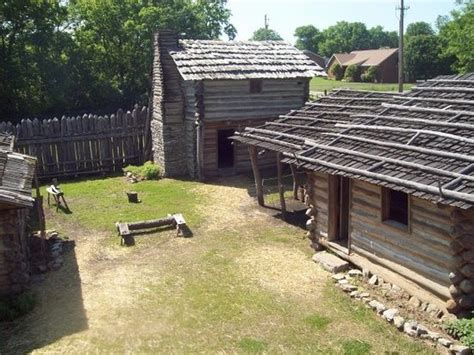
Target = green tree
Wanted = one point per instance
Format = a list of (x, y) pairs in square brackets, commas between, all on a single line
[(337, 71), (457, 37), (380, 38), (344, 37), (419, 28), (422, 55), (352, 73), (308, 37), (265, 34)]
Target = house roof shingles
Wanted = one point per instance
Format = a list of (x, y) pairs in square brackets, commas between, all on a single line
[(369, 57), (213, 60), (421, 142), (16, 175)]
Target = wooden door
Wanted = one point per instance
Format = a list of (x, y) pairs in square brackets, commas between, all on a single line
[(338, 210)]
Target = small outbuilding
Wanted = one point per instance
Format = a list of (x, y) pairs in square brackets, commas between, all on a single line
[(204, 90), (390, 189), (16, 176)]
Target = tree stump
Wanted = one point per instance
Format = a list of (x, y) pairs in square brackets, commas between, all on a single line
[(132, 197)]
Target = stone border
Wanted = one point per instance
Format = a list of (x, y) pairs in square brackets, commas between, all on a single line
[(392, 315)]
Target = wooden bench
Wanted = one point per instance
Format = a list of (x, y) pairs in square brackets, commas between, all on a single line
[(125, 229), (58, 195)]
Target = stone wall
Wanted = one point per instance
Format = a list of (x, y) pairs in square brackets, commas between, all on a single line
[(14, 251), (167, 124)]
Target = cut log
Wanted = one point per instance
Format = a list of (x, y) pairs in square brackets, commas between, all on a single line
[(455, 291), (452, 306), (468, 270), (152, 223), (456, 277)]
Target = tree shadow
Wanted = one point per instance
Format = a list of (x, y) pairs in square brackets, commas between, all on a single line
[(59, 311)]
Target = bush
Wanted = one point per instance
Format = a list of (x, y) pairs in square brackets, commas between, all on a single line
[(352, 73), (463, 329), (147, 171), (16, 306), (370, 75), (337, 71)]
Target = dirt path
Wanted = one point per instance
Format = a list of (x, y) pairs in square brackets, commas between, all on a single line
[(244, 278)]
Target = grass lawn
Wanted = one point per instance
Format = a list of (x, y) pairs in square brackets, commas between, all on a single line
[(321, 84), (244, 283)]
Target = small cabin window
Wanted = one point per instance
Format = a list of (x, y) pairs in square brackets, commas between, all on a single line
[(395, 209), (256, 86)]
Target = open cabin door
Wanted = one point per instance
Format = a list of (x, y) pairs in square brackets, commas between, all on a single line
[(338, 210)]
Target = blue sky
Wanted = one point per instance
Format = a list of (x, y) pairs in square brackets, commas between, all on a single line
[(286, 15)]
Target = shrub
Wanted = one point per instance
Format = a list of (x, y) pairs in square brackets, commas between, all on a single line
[(147, 171), (463, 329), (370, 74), (337, 71), (16, 306), (352, 73)]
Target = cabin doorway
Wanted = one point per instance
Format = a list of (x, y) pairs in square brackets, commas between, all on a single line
[(225, 149), (339, 191)]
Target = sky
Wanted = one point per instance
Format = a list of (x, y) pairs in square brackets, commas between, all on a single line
[(286, 15)]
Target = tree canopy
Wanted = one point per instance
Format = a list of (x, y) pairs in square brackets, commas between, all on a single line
[(265, 34), (73, 56), (344, 37)]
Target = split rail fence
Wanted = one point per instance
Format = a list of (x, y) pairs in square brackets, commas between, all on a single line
[(87, 144)]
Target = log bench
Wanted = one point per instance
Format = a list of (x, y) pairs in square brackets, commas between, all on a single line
[(177, 220)]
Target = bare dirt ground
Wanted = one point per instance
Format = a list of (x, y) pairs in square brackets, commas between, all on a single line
[(244, 283)]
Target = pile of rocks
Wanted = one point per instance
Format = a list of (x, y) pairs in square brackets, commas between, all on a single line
[(131, 178), (348, 282), (55, 249)]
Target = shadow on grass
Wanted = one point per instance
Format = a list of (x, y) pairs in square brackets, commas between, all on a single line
[(59, 312)]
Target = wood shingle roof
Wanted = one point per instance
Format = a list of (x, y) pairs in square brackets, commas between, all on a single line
[(421, 143), (16, 175), (235, 60)]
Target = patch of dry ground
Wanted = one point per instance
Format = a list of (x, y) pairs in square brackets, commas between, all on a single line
[(245, 282)]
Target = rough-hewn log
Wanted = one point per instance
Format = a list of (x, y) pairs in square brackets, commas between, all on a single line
[(455, 291), (467, 286), (281, 188), (151, 224), (452, 306), (256, 174), (456, 277), (294, 174), (468, 270)]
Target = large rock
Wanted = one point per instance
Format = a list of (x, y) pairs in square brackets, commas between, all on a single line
[(377, 306), (410, 328), (460, 350), (398, 322), (390, 314), (330, 262)]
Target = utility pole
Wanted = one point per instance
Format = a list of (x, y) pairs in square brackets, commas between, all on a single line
[(266, 21), (402, 9)]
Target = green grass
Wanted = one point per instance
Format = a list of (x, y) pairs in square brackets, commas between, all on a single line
[(229, 289), (98, 203), (321, 84)]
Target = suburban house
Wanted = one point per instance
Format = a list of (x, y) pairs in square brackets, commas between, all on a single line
[(16, 175), (391, 188), (204, 90), (385, 59)]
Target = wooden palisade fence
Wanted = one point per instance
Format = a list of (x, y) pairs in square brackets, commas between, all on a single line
[(86, 144)]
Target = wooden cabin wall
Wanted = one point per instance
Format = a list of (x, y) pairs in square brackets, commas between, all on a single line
[(14, 252), (232, 100), (437, 249), (167, 124), (425, 249), (241, 152)]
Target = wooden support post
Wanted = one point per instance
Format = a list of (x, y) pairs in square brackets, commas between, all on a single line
[(256, 174), (294, 173), (281, 188)]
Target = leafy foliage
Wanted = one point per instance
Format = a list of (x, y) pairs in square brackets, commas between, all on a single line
[(308, 37), (457, 37), (463, 329), (147, 171), (370, 75), (16, 306), (419, 28), (265, 34), (422, 55), (82, 55), (337, 71), (352, 73)]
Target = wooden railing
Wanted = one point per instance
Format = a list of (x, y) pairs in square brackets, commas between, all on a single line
[(86, 144)]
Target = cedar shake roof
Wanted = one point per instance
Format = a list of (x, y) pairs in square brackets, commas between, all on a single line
[(421, 143), (366, 58), (16, 175), (212, 60)]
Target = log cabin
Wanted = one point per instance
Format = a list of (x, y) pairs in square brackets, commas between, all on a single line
[(204, 90), (16, 175), (390, 189)]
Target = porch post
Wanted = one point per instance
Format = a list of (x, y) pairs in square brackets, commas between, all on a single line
[(281, 188), (295, 181), (256, 174)]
